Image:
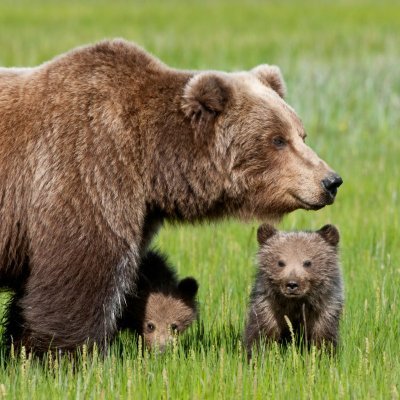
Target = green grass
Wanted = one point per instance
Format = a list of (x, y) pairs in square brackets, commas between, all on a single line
[(341, 63)]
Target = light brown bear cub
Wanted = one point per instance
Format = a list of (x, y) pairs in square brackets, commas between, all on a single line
[(163, 307), (299, 278)]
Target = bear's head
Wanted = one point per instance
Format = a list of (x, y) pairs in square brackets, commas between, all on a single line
[(297, 265), (259, 141), (168, 314)]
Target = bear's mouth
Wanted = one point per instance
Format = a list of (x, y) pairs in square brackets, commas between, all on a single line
[(309, 206), (292, 295), (295, 296)]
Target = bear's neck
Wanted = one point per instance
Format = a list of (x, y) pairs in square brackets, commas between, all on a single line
[(186, 185)]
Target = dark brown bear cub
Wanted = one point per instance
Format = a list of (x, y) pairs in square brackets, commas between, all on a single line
[(163, 307), (298, 279)]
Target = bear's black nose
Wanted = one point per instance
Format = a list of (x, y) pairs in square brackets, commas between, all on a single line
[(292, 286), (331, 183)]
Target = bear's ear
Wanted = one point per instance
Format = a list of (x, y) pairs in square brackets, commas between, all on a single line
[(205, 96), (270, 75), (330, 234), (265, 232), (188, 288)]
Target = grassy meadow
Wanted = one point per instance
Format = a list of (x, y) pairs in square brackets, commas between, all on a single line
[(341, 65)]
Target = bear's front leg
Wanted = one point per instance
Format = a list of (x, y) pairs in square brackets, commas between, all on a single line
[(261, 324), (75, 293), (325, 330)]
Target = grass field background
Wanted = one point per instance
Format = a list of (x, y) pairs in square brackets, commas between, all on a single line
[(341, 64)]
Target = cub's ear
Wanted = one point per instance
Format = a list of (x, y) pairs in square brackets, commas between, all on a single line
[(330, 234), (205, 96), (188, 288), (270, 75), (265, 232)]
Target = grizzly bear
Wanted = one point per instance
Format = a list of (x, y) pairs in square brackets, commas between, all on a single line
[(162, 307), (101, 145), (298, 283)]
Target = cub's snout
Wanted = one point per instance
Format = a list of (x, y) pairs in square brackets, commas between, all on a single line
[(294, 287)]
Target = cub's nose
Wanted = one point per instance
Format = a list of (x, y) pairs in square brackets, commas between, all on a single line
[(161, 346), (292, 286), (331, 183)]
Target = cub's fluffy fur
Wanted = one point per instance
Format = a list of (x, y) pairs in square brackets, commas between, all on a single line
[(163, 306), (298, 280)]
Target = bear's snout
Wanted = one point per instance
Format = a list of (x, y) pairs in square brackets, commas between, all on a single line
[(292, 286), (331, 184)]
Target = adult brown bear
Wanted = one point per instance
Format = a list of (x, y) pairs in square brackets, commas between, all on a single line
[(102, 144)]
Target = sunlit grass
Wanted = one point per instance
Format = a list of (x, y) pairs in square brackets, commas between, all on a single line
[(341, 64)]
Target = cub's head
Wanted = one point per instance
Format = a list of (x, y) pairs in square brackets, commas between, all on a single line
[(299, 264), (168, 314), (259, 141)]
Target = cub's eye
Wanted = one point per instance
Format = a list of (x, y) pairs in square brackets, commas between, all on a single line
[(279, 142), (150, 327), (281, 264), (307, 264), (174, 327)]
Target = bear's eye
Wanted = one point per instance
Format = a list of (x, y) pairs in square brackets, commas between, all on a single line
[(307, 264), (174, 328), (279, 142), (281, 264), (150, 327)]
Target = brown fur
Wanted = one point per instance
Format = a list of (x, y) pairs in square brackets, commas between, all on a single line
[(100, 145), (163, 306), (313, 307)]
